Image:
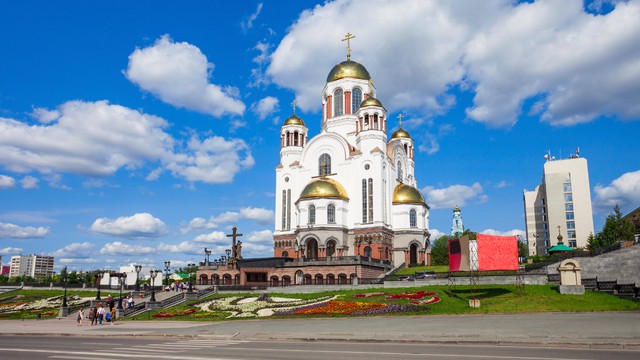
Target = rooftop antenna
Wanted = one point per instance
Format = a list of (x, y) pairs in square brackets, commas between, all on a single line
[(348, 38)]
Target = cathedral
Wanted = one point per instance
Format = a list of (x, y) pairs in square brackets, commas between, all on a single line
[(347, 205), (351, 189)]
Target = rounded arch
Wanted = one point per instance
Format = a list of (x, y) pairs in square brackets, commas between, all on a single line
[(319, 279), (203, 279), (226, 279), (311, 248), (308, 279), (286, 280), (413, 253), (331, 213), (342, 278), (367, 251), (215, 279), (331, 247), (356, 99), (273, 281), (324, 164), (331, 279), (326, 142), (338, 102), (413, 218), (299, 277)]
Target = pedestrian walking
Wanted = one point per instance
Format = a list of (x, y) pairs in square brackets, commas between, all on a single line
[(113, 316), (130, 302), (80, 316), (101, 312), (93, 315)]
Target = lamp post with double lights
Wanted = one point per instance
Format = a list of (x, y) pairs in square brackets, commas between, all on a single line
[(154, 273), (98, 276), (138, 269), (166, 268), (65, 279), (120, 277)]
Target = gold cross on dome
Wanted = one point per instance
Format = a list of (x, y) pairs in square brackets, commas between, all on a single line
[(400, 117), (348, 38), (293, 103)]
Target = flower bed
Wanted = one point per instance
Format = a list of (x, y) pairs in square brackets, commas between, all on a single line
[(174, 313), (368, 295), (429, 301), (339, 307), (410, 295)]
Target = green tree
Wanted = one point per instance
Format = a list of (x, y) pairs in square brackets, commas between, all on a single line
[(615, 229), (74, 278), (593, 242), (523, 249)]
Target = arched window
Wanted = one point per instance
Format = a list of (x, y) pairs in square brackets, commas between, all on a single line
[(338, 100), (413, 219), (367, 251), (287, 138), (375, 121), (364, 201), (356, 99), (366, 121), (331, 248), (331, 214), (324, 165), (400, 177), (285, 254), (312, 215), (295, 138)]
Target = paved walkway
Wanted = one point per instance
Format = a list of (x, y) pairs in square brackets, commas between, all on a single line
[(592, 330)]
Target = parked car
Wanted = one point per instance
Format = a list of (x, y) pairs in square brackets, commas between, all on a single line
[(405, 278), (425, 275)]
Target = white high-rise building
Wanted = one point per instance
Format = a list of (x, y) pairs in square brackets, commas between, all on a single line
[(31, 265), (560, 204)]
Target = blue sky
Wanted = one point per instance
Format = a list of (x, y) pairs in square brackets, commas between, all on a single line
[(139, 132)]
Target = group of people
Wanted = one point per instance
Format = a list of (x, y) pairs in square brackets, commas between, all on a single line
[(175, 287), (98, 314)]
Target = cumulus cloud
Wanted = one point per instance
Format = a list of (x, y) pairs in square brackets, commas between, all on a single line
[(29, 182), (185, 247), (262, 236), (454, 195), (138, 226), (212, 238), (178, 73), (260, 215), (12, 231), (265, 107), (624, 191), (120, 248), (98, 139), (75, 250), (513, 232), (435, 234), (7, 182), (10, 251), (576, 65), (77, 260)]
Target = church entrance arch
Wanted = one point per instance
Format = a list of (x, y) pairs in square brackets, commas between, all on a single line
[(413, 254), (331, 248), (312, 249)]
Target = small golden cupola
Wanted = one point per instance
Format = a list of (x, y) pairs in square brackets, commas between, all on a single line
[(406, 194), (324, 188), (293, 131)]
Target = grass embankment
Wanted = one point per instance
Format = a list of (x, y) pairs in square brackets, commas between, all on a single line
[(17, 297), (494, 299)]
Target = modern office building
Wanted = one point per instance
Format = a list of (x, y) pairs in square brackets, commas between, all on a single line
[(31, 265), (560, 204)]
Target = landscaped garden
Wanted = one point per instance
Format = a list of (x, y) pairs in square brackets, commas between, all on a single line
[(403, 301)]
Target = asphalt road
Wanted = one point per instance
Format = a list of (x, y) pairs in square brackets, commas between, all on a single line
[(115, 348)]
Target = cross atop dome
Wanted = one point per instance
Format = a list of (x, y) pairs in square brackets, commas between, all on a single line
[(400, 120), (293, 104), (348, 38)]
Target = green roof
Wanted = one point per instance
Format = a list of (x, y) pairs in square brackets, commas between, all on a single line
[(560, 247)]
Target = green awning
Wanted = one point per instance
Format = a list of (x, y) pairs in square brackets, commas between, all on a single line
[(560, 247)]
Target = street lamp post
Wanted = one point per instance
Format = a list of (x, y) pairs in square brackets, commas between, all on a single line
[(64, 279), (190, 289), (120, 276), (138, 269), (166, 268), (535, 244), (154, 273), (98, 276)]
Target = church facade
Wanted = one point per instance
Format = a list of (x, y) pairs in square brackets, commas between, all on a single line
[(347, 205), (350, 190)]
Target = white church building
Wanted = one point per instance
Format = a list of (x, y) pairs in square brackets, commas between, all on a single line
[(349, 190)]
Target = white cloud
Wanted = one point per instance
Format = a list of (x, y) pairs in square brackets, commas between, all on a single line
[(579, 65), (624, 191), (114, 138), (119, 248), (435, 234), (7, 182), (11, 251), (138, 226), (76, 260), (45, 116), (265, 107), (75, 250), (178, 73), (212, 238), (29, 182), (213, 160), (248, 22), (454, 195), (263, 236), (514, 232), (13, 231), (185, 247), (260, 215)]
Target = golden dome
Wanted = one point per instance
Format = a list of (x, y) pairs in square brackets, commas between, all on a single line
[(405, 194), (293, 120), (348, 69), (371, 101), (400, 133), (456, 209), (323, 188)]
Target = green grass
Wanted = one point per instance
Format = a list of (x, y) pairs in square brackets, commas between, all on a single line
[(33, 295), (410, 271), (495, 299)]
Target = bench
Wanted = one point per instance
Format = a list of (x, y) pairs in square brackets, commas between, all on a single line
[(590, 283), (554, 278), (626, 290), (607, 286)]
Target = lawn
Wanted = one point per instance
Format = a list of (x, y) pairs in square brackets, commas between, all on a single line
[(404, 301), (26, 304)]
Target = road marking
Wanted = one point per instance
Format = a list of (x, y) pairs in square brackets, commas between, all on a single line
[(96, 354)]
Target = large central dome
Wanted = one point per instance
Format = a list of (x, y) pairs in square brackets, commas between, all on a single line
[(348, 69), (324, 188)]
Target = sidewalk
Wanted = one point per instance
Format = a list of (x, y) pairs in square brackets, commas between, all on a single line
[(620, 330)]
